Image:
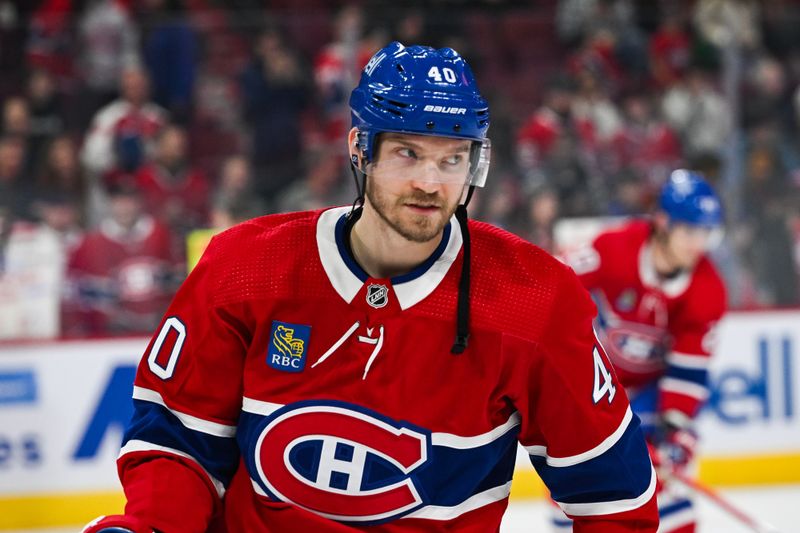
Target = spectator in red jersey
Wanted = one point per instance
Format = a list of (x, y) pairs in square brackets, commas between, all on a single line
[(174, 191), (645, 144), (122, 131), (670, 50), (122, 275), (337, 65), (556, 148), (554, 120), (49, 38)]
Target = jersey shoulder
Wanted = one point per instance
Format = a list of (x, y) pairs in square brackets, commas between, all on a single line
[(517, 286), (251, 260), (629, 235), (707, 290)]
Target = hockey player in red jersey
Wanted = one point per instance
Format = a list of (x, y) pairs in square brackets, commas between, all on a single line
[(306, 377), (659, 299)]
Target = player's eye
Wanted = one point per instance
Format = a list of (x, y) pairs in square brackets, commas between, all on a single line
[(453, 160), (406, 152)]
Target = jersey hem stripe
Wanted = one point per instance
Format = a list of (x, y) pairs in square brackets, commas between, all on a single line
[(450, 440), (618, 506), (189, 421), (476, 501), (600, 449), (142, 446)]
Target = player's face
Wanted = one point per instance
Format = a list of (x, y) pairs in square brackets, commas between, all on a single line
[(686, 244), (417, 181)]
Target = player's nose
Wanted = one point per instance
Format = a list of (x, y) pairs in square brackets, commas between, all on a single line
[(426, 177)]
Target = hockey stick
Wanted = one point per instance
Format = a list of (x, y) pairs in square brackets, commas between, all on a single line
[(721, 502)]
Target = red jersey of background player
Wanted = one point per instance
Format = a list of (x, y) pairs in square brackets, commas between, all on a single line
[(652, 328)]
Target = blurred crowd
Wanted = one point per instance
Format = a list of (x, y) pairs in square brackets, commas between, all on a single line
[(127, 125)]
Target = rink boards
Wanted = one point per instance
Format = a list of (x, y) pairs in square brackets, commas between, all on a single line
[(63, 407)]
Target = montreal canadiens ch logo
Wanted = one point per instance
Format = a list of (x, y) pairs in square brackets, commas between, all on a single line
[(341, 463)]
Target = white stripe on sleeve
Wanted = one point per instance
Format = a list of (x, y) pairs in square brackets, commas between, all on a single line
[(188, 421), (144, 446), (687, 388), (598, 450), (691, 361)]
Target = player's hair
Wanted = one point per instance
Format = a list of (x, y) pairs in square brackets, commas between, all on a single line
[(420, 90)]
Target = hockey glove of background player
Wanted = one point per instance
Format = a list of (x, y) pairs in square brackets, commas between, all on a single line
[(117, 524), (674, 442)]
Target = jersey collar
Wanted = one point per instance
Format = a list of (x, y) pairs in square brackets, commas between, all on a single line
[(347, 277)]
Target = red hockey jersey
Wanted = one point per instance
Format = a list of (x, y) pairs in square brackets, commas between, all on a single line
[(288, 391), (652, 329), (120, 282)]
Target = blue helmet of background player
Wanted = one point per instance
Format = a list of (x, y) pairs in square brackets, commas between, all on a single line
[(421, 91), (688, 199)]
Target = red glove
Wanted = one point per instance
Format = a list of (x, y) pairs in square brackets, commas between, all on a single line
[(117, 524), (674, 443)]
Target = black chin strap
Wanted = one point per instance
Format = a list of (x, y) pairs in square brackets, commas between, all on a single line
[(462, 316), (360, 177)]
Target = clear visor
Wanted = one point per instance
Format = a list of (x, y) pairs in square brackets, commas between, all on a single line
[(445, 161)]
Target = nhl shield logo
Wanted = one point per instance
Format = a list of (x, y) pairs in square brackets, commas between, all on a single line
[(377, 296)]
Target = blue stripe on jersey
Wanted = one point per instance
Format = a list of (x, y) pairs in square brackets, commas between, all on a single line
[(674, 507), (448, 478), (621, 473), (356, 269), (453, 475), (643, 404), (693, 375), (155, 424), (599, 301)]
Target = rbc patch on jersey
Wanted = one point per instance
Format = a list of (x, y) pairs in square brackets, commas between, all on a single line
[(288, 346)]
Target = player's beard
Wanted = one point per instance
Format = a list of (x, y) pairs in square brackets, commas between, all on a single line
[(415, 228)]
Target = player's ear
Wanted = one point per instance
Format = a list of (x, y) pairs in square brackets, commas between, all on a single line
[(660, 221), (353, 148)]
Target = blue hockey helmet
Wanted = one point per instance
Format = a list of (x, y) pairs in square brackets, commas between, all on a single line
[(687, 198), (422, 91)]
